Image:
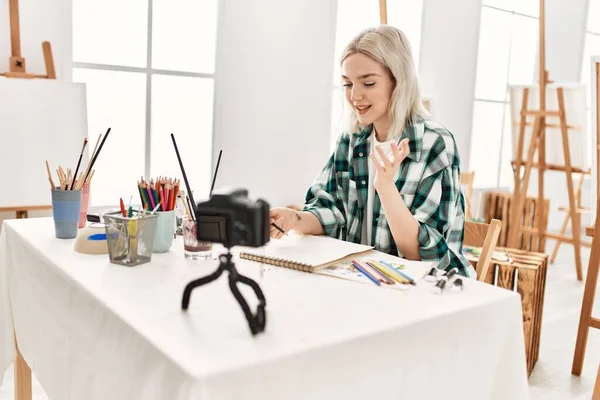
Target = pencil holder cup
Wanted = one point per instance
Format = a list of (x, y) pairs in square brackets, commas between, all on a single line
[(85, 203), (130, 240), (66, 205), (165, 230), (192, 248)]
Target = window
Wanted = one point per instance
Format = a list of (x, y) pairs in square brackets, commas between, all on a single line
[(508, 44), (149, 73), (591, 48), (356, 15)]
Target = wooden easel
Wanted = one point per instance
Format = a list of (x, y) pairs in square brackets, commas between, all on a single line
[(383, 11), (538, 143), (586, 321), (561, 236), (16, 63)]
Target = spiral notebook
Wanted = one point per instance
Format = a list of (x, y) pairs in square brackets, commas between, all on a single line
[(303, 252)]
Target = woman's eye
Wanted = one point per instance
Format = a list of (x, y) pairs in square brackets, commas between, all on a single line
[(369, 84), (347, 85)]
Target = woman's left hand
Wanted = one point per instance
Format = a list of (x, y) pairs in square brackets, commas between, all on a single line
[(385, 166)]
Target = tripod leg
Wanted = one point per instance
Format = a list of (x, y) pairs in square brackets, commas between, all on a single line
[(247, 313), (185, 301), (257, 290)]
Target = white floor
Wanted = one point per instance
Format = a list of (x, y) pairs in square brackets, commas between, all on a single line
[(551, 377)]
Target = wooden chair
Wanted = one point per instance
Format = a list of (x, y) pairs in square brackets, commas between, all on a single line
[(466, 180), (485, 236), (567, 209)]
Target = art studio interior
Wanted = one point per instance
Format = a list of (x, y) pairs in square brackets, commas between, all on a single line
[(299, 199)]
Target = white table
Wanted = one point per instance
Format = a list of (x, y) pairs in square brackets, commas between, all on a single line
[(94, 330)]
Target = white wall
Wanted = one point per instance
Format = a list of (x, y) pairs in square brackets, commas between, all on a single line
[(40, 20), (566, 22), (273, 95), (448, 65)]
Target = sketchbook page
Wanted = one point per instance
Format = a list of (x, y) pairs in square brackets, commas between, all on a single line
[(345, 270), (308, 249)]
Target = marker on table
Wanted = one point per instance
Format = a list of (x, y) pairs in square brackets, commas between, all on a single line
[(432, 275)]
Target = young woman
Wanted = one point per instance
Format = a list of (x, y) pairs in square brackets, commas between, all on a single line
[(393, 181)]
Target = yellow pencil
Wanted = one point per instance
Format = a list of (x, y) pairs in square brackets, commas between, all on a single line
[(388, 272)]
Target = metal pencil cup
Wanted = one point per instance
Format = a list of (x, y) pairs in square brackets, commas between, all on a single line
[(130, 240)]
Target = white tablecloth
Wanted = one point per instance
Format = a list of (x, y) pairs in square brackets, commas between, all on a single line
[(94, 330)]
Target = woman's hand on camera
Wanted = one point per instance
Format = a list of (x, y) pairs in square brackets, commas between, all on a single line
[(284, 218)]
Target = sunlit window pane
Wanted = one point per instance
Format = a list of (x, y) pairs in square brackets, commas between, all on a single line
[(593, 24), (591, 48), (503, 4), (506, 156), (183, 106), (523, 50), (486, 142), (336, 115), (184, 35), (352, 17), (528, 7), (406, 15), (117, 100), (110, 32), (493, 57)]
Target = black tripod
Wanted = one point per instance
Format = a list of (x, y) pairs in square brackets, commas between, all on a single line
[(256, 321)]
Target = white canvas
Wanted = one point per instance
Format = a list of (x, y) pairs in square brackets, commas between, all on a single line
[(39, 120), (575, 109), (595, 61)]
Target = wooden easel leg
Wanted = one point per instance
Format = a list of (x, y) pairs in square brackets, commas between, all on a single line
[(520, 194), (563, 230), (382, 11), (23, 389), (48, 60), (596, 394), (570, 187), (585, 318)]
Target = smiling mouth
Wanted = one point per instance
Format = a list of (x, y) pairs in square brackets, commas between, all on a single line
[(362, 109)]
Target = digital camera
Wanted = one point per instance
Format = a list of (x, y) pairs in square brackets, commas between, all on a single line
[(229, 217)]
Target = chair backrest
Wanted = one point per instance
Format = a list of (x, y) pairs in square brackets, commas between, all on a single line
[(484, 236), (466, 180)]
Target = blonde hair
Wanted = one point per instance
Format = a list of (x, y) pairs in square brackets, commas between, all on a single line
[(390, 48)]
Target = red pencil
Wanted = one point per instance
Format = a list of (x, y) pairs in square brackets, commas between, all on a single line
[(123, 207)]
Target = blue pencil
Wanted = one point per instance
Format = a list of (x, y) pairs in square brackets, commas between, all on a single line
[(365, 273), (411, 280)]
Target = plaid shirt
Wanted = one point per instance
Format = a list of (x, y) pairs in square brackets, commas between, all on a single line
[(429, 182)]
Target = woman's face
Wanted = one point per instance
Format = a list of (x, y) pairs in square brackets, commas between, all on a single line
[(368, 89)]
